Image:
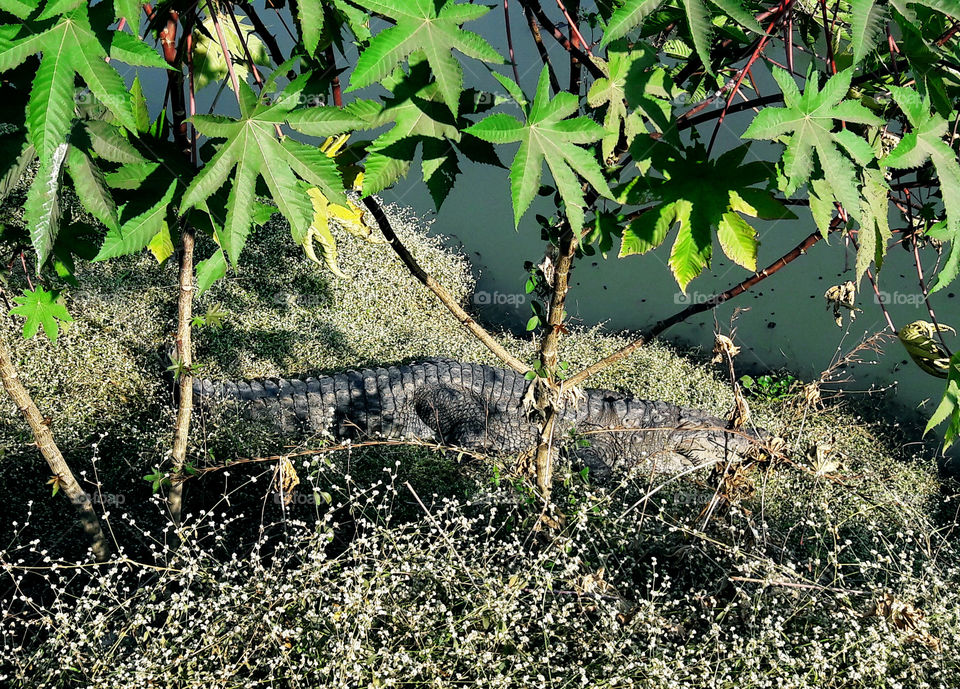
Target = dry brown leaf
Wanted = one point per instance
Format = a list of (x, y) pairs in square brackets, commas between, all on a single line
[(904, 617), (286, 480)]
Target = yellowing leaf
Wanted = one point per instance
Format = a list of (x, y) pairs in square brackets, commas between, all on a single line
[(161, 246), (319, 231)]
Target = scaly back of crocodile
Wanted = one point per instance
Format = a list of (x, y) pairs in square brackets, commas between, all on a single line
[(479, 407)]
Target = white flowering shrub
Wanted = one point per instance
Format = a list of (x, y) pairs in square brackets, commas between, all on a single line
[(841, 586)]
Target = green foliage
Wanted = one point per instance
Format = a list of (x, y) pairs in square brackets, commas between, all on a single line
[(807, 126), (696, 12), (547, 136), (428, 28), (698, 194), (251, 147), (772, 387), (949, 407), (39, 308), (925, 143)]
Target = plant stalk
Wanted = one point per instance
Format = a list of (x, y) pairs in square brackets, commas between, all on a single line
[(51, 452)]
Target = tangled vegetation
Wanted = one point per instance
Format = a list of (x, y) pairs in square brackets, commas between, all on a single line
[(405, 566)]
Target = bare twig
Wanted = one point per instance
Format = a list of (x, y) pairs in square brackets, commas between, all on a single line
[(541, 48), (439, 290), (542, 17), (693, 309), (47, 446), (506, 24)]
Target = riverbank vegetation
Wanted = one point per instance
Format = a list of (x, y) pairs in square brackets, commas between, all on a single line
[(392, 566), (141, 246)]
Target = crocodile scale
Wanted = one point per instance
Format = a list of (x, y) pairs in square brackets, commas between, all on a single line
[(480, 408)]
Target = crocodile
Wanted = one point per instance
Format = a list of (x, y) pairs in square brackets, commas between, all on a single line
[(481, 408)]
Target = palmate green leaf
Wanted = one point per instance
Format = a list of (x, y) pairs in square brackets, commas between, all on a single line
[(610, 91), (42, 207), (866, 25), (138, 227), (433, 28), (68, 46), (949, 407), (251, 148), (926, 142), (806, 125), (310, 15), (548, 137), (421, 119), (41, 308), (698, 195), (698, 14), (91, 188)]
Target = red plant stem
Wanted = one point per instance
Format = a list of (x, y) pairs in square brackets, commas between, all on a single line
[(948, 34), (575, 35), (828, 33), (335, 82), (708, 305), (226, 51), (26, 271), (784, 6), (168, 45), (506, 24), (577, 40), (246, 49)]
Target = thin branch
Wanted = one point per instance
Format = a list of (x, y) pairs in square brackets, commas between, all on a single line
[(876, 290), (692, 310), (576, 37), (761, 45), (506, 23), (828, 35), (439, 290), (926, 295), (948, 34), (223, 47), (246, 48), (542, 17), (47, 446), (268, 38), (577, 40), (335, 80), (541, 48)]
